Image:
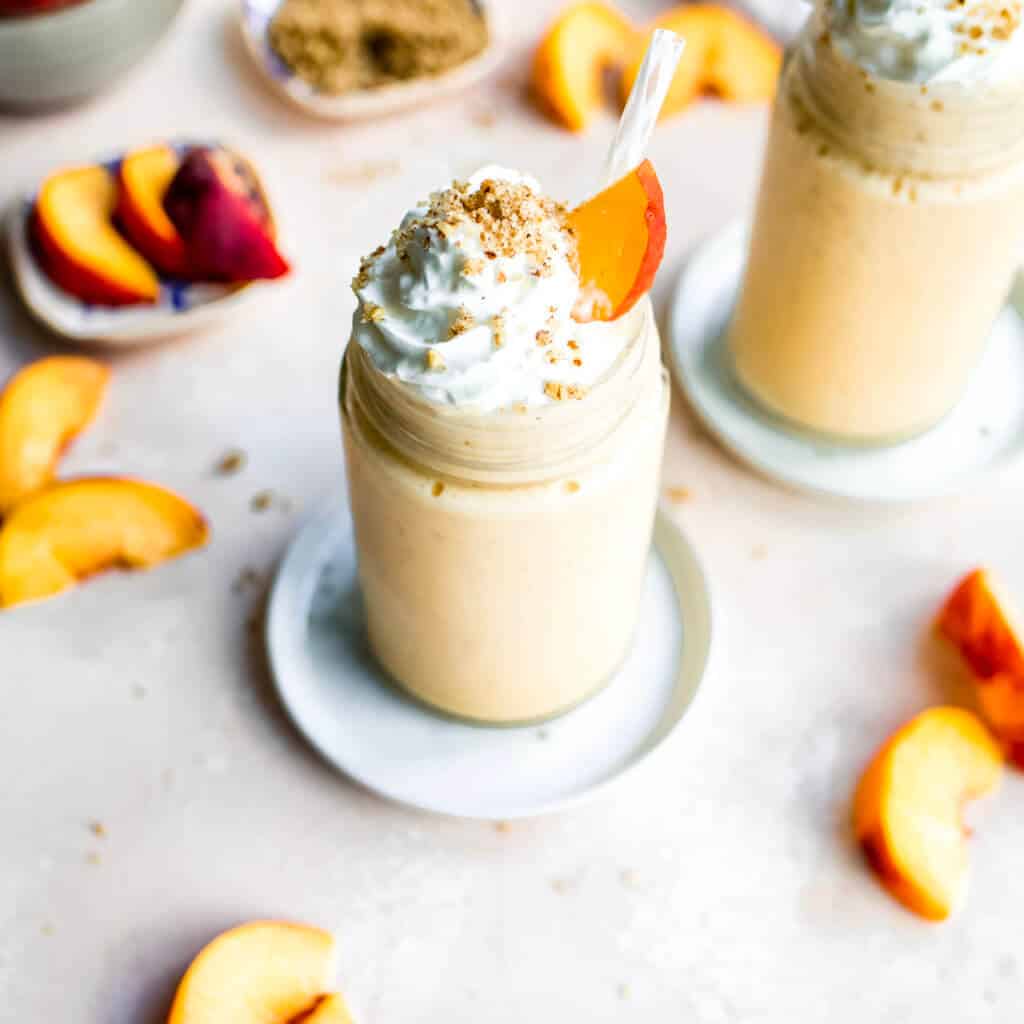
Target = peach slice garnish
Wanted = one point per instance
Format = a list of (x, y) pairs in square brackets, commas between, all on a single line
[(71, 530), (81, 250), (143, 180), (979, 621), (908, 806), (42, 408), (620, 236), (328, 1010), (569, 66), (724, 54), (264, 972)]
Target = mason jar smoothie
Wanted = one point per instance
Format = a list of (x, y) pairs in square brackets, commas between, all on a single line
[(503, 458), (890, 218)]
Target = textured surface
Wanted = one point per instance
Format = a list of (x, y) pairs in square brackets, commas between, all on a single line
[(721, 887)]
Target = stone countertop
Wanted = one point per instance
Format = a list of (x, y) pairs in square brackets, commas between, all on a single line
[(719, 886)]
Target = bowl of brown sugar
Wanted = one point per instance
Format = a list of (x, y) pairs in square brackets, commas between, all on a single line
[(349, 59)]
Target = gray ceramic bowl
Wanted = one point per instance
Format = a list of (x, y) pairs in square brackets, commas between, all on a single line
[(48, 60)]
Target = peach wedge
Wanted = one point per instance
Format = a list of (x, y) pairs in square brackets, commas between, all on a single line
[(71, 530), (620, 236), (264, 972), (143, 180), (978, 620), (725, 54), (585, 41), (81, 251), (42, 408), (907, 810)]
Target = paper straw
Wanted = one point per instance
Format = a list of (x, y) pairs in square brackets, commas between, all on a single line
[(643, 106)]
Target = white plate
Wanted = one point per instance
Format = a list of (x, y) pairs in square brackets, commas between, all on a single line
[(984, 433), (256, 16), (362, 724), (181, 307)]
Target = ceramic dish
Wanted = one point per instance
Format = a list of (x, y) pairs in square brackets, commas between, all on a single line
[(360, 722), (182, 306), (54, 58), (256, 16), (983, 435)]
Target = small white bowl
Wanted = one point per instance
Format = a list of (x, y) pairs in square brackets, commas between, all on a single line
[(256, 16), (182, 305)]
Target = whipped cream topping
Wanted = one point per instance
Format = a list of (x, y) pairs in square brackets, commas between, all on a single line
[(930, 40), (471, 300)]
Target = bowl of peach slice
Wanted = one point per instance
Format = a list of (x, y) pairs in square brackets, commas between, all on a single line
[(55, 52), (150, 244)]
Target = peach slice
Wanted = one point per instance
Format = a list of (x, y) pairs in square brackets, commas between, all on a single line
[(268, 972), (724, 54), (978, 620), (569, 66), (216, 204), (327, 1010), (42, 408), (620, 236), (907, 811), (81, 251), (74, 529), (143, 180)]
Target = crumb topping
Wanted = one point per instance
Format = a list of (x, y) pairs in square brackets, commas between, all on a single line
[(434, 360), (563, 392)]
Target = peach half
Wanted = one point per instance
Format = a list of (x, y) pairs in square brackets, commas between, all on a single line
[(908, 806), (725, 54), (978, 620), (583, 43), (620, 237), (42, 408), (270, 972), (74, 529), (143, 180), (81, 250)]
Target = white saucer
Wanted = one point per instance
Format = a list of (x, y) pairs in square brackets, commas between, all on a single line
[(255, 18), (343, 704), (984, 433)]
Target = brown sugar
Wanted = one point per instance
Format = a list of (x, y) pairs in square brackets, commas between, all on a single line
[(338, 46)]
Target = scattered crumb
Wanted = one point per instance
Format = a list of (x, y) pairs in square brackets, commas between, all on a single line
[(574, 345), (262, 501), (372, 313), (572, 486), (563, 392), (231, 462), (464, 320), (365, 173), (502, 826), (473, 266), (543, 338), (438, 489), (93, 858), (678, 494), (97, 828), (434, 360), (247, 580), (522, 408)]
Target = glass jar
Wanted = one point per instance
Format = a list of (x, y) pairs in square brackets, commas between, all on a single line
[(502, 554), (888, 230)]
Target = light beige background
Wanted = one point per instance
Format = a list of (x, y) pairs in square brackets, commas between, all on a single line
[(719, 888)]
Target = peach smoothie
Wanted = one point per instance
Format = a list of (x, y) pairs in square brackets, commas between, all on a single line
[(890, 218), (503, 458)]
